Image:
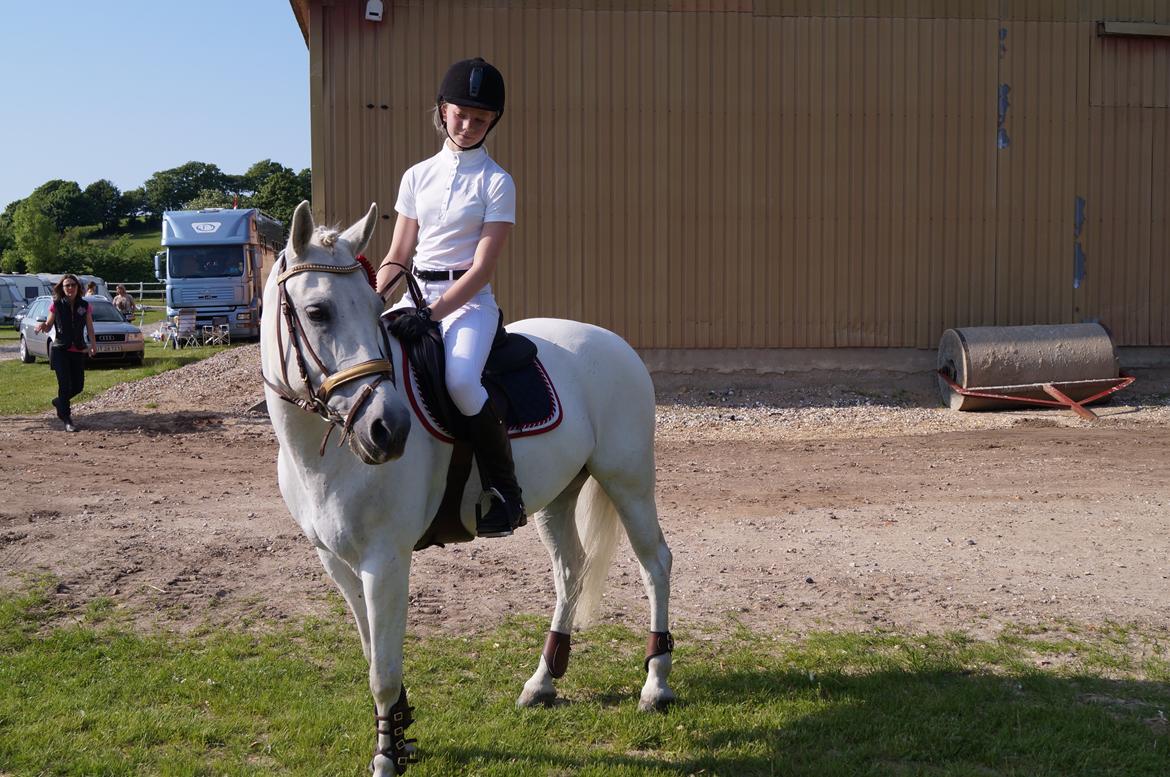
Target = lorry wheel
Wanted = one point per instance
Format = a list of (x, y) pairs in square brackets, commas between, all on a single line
[(25, 354)]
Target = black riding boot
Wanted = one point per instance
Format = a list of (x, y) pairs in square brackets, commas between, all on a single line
[(493, 452)]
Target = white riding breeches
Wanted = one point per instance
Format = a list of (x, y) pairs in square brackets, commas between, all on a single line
[(467, 340)]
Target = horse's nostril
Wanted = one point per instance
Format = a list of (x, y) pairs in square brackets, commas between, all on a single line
[(380, 435), (385, 438)]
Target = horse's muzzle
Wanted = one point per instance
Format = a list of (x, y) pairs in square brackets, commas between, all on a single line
[(380, 435)]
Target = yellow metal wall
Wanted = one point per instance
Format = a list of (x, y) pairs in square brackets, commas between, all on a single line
[(784, 174)]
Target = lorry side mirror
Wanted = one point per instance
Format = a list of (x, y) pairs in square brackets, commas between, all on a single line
[(158, 266)]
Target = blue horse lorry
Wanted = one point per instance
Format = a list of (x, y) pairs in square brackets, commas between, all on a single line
[(217, 261)]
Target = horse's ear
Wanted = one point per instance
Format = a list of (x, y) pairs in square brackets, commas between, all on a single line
[(302, 229), (358, 236)]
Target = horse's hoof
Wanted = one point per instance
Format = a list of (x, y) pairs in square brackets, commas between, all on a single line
[(539, 697), (656, 702), (380, 766)]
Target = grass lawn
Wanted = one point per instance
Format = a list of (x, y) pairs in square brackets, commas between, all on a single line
[(147, 318), (147, 236), (29, 387), (82, 694)]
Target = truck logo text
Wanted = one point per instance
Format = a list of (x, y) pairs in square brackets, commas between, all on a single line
[(205, 227)]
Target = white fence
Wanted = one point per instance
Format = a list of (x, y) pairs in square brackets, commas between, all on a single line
[(140, 289)]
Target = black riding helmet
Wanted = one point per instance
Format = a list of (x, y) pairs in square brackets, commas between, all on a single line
[(473, 83)]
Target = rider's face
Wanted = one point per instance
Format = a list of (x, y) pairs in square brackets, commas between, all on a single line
[(466, 126)]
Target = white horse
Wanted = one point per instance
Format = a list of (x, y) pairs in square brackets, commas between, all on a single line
[(323, 350)]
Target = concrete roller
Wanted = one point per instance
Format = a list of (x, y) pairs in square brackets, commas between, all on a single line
[(1079, 359)]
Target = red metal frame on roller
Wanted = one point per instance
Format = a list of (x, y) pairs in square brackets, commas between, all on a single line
[(1059, 398)]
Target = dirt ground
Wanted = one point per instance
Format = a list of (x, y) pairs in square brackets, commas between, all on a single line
[(802, 502)]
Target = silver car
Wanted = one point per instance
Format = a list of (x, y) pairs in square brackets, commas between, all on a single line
[(116, 339)]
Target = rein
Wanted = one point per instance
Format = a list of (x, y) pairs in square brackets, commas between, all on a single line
[(411, 284), (316, 400)]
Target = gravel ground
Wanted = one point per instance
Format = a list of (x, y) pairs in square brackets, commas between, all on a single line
[(838, 500), (838, 405)]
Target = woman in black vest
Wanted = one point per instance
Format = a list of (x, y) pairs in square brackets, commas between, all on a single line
[(71, 317)]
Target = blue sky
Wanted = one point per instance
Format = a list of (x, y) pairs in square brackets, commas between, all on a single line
[(122, 89)]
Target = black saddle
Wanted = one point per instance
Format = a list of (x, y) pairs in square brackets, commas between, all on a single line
[(514, 379)]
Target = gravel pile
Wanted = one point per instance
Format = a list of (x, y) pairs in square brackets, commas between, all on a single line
[(837, 405), (227, 382)]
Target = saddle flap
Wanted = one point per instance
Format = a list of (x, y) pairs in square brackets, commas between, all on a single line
[(509, 353)]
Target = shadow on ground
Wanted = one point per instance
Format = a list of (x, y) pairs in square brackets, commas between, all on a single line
[(886, 723)]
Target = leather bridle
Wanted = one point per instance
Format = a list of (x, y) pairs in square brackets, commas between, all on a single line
[(316, 400)]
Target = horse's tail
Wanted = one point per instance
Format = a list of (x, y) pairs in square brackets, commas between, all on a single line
[(599, 529)]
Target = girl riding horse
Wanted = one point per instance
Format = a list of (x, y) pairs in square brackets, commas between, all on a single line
[(455, 211)]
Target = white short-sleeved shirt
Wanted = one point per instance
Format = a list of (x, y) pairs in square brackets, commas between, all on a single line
[(452, 195)]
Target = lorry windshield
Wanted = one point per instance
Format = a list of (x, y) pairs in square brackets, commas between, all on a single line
[(205, 261)]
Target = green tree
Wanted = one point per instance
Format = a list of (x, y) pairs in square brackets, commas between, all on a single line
[(172, 189), (260, 172), (7, 240), (280, 194), (37, 240), (106, 202), (119, 261), (132, 203), (235, 186), (11, 261), (210, 198), (64, 203)]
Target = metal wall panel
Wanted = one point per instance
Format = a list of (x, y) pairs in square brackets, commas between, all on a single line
[(706, 174)]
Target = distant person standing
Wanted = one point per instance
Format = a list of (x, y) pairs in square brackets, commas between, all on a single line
[(125, 303), (72, 321), (91, 289)]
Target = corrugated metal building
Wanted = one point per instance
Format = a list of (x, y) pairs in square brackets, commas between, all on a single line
[(785, 173)]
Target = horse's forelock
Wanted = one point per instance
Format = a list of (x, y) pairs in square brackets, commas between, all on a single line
[(326, 236)]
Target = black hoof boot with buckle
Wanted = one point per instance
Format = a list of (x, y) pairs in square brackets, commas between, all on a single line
[(493, 453)]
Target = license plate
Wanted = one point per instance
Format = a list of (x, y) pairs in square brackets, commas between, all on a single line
[(109, 347)]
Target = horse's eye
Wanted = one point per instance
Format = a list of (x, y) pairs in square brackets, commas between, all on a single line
[(317, 313)]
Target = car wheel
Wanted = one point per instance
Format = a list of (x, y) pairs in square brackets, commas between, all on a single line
[(26, 355), (135, 360)]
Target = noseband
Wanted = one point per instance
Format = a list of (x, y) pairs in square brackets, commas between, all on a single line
[(316, 400)]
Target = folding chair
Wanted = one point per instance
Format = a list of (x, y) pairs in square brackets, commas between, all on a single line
[(185, 332), (217, 332)]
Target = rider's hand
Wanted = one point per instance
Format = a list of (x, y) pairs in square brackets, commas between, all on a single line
[(410, 327)]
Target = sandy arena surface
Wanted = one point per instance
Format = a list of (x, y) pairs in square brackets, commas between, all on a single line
[(835, 500)]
